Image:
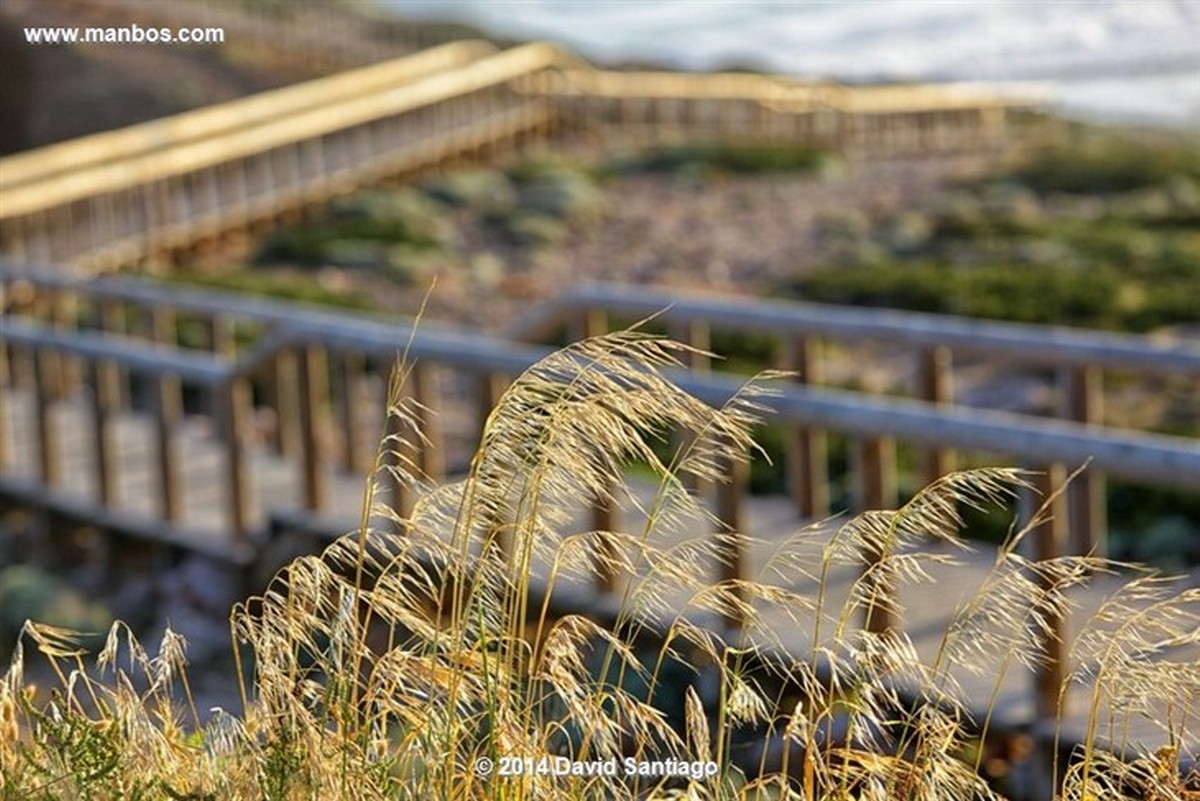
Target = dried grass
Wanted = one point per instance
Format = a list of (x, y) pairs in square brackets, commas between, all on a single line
[(391, 664)]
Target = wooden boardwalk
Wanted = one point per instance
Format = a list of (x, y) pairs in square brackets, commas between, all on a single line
[(151, 192)]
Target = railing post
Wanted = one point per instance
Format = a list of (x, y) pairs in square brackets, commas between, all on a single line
[(604, 516), (63, 314), (104, 401), (1049, 538), (807, 447), (590, 323), (46, 309), (313, 397), (696, 334), (220, 337), (18, 298), (876, 475), (491, 387), (348, 374), (162, 328), (732, 554), (168, 409), (1047, 541), (426, 392), (240, 494), (49, 465), (937, 387), (113, 321), (395, 435), (281, 383), (1083, 402)]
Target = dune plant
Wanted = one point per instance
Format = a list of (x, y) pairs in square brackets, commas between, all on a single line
[(417, 656)]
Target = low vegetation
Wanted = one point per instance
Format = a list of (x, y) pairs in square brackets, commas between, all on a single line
[(746, 158), (1101, 162), (299, 288), (411, 655), (1101, 233), (408, 234)]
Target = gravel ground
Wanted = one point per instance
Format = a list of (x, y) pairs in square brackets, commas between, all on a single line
[(739, 235)]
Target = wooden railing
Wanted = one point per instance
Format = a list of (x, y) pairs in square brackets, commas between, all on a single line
[(129, 143), (800, 331), (253, 339), (646, 108), (163, 187), (154, 190), (306, 365)]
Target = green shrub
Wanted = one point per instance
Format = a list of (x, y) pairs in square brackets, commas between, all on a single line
[(254, 282), (356, 231), (1043, 293), (28, 593), (296, 245), (1108, 164), (480, 191), (752, 158), (1156, 262), (562, 194), (532, 229)]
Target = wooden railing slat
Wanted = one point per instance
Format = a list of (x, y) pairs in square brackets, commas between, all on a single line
[(1019, 342), (807, 446), (733, 554), (49, 462), (314, 395), (937, 387), (1083, 402), (104, 400), (235, 404)]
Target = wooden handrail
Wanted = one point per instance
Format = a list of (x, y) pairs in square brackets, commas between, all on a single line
[(157, 189), (127, 352), (1079, 357), (221, 118), (1018, 342), (1139, 456), (1029, 440), (1047, 445), (111, 161), (304, 125), (794, 94)]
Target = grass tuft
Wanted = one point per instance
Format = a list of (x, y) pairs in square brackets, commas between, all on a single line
[(426, 644)]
